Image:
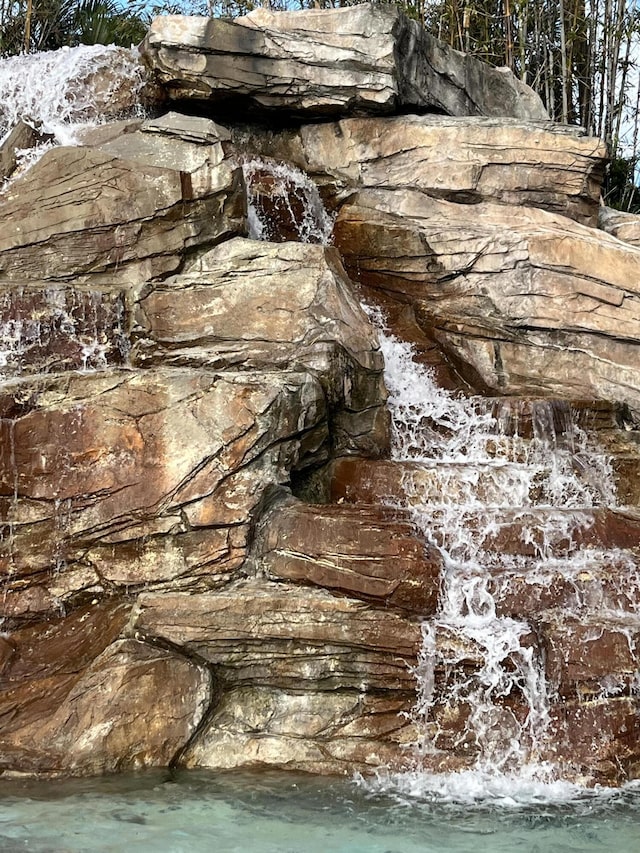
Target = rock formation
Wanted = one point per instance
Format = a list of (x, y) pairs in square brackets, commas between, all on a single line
[(208, 557)]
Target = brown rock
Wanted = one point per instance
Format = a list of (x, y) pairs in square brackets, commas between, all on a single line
[(590, 656), (319, 62), (87, 214), (465, 160), (21, 136), (146, 454), (48, 328), (286, 637), (596, 742), (256, 305), (133, 707), (359, 551), (533, 306)]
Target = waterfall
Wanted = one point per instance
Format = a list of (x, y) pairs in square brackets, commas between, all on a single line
[(485, 474), (283, 203), (493, 467), (60, 92)]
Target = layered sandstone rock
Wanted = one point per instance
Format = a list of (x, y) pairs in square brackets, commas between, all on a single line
[(123, 212), (465, 160), (368, 59), (256, 305), (624, 226), (533, 305)]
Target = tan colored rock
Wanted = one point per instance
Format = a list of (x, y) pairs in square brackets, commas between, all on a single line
[(618, 223), (279, 635), (358, 60), (341, 732), (123, 217), (256, 305), (184, 455), (364, 552), (133, 707), (536, 305), (463, 160)]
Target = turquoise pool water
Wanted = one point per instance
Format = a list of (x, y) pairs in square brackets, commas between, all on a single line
[(288, 813)]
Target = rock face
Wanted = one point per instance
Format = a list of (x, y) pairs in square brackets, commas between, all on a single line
[(368, 59), (208, 557), (495, 292), (143, 201), (465, 160)]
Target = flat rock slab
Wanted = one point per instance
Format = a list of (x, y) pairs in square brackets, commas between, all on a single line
[(528, 305), (368, 59), (464, 160), (123, 212), (283, 636), (330, 733), (359, 551), (255, 305)]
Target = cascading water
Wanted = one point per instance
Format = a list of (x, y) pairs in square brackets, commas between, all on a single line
[(487, 478), (63, 91), (284, 203)]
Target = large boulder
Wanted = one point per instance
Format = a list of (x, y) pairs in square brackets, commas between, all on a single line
[(368, 59), (155, 483), (533, 305), (124, 211), (465, 160), (257, 305), (75, 699)]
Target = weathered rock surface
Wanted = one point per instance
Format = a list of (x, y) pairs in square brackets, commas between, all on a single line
[(365, 552), (72, 700), (464, 160), (256, 305), (286, 637), (537, 305), (124, 212), (149, 462), (338, 732), (624, 226), (360, 60), (19, 137), (48, 328)]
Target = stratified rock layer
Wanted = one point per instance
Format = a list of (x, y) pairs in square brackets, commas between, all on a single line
[(172, 393), (466, 160), (530, 305), (361, 60)]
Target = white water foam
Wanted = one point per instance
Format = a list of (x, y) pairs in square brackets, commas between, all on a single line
[(289, 194), (472, 656), (63, 91)]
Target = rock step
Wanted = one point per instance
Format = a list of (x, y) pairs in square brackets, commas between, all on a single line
[(591, 583), (546, 417), (371, 553), (495, 484), (590, 656), (535, 532)]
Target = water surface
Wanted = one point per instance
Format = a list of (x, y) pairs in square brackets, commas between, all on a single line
[(195, 811)]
